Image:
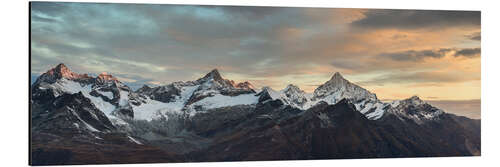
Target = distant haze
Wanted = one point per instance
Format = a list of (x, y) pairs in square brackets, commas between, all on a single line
[(468, 108)]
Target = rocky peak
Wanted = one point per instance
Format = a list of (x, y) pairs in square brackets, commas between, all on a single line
[(212, 75), (106, 76), (416, 109), (337, 76), (345, 89), (292, 88), (59, 72), (144, 89), (213, 80), (338, 80), (245, 85), (415, 100)]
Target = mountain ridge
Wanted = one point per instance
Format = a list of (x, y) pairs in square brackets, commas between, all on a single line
[(201, 120)]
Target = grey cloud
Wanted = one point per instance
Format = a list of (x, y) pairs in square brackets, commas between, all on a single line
[(415, 19), (474, 36), (412, 55), (469, 52)]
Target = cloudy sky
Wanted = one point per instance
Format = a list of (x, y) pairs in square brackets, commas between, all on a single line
[(393, 53)]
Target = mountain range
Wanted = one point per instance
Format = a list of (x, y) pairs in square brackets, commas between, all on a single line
[(80, 119)]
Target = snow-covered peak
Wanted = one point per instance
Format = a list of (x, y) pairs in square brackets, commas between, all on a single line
[(291, 95), (415, 109), (343, 88)]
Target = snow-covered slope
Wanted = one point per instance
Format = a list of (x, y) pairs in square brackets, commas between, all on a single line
[(291, 95), (415, 109), (209, 92)]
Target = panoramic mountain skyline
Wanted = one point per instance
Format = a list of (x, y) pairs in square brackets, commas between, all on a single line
[(393, 53), (214, 118)]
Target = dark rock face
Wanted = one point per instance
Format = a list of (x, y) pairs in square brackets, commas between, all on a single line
[(125, 112), (72, 112), (58, 72), (161, 93), (109, 148), (336, 131)]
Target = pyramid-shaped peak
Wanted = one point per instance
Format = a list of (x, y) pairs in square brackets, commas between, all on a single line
[(338, 84), (337, 76), (214, 74), (62, 71)]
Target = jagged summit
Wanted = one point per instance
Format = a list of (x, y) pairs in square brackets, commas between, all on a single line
[(293, 88), (104, 77), (244, 85), (214, 80), (415, 100), (63, 71), (59, 72), (343, 88), (214, 74)]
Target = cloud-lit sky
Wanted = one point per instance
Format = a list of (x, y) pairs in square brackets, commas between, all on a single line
[(393, 53)]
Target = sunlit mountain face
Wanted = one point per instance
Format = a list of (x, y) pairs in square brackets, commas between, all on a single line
[(183, 83)]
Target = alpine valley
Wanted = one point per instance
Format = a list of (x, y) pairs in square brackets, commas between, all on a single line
[(80, 119)]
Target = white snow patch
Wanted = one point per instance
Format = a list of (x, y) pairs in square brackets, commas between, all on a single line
[(378, 113), (134, 140), (89, 127), (123, 98), (105, 107), (68, 86), (109, 95), (152, 109), (219, 100)]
